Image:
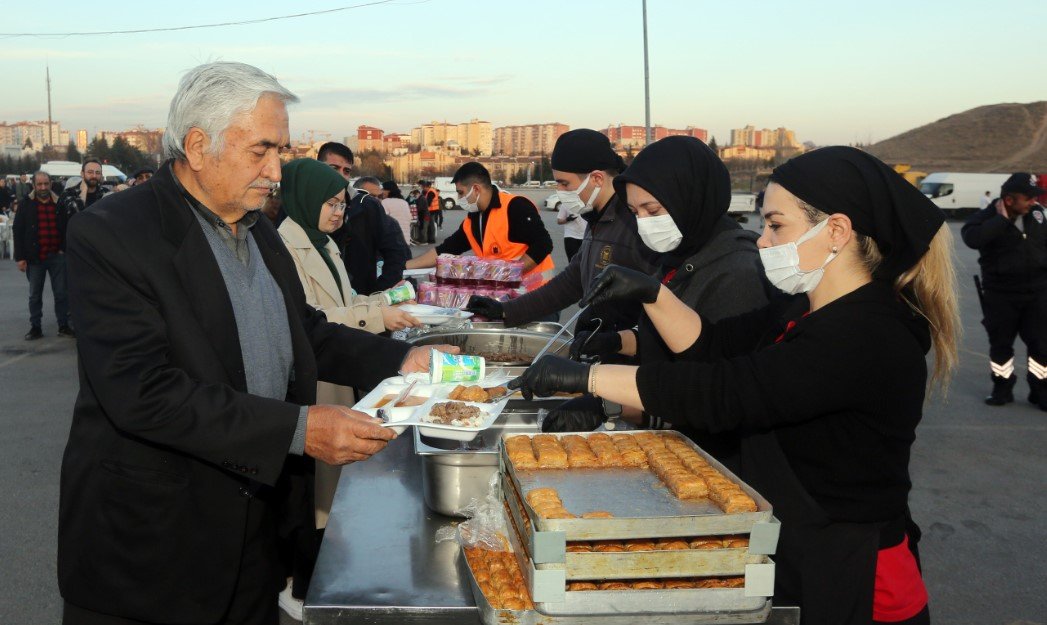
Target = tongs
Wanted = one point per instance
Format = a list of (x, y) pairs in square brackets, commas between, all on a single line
[(558, 334)]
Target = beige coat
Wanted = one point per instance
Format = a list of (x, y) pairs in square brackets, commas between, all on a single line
[(356, 311)]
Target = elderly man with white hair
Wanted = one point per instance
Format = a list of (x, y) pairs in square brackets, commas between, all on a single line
[(194, 429)]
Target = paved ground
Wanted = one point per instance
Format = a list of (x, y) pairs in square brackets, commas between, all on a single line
[(979, 474)]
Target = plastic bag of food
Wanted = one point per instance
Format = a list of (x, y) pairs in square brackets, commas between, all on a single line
[(485, 527)]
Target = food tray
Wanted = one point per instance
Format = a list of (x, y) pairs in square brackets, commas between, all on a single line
[(649, 511), (548, 591), (392, 386), (454, 432), (625, 565), (491, 616)]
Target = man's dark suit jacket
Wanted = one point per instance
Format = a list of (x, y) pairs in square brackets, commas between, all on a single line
[(166, 446)]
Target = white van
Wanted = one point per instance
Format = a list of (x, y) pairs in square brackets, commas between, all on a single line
[(448, 194), (959, 192)]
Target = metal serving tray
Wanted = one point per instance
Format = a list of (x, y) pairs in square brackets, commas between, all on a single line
[(623, 565), (643, 507), (522, 343), (550, 596), (454, 472), (491, 616)]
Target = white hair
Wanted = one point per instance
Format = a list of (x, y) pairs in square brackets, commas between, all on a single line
[(211, 96)]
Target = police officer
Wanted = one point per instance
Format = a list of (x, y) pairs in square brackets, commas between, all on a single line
[(1011, 238), (583, 166)]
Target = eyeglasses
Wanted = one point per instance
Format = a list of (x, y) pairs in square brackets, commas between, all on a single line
[(337, 207)]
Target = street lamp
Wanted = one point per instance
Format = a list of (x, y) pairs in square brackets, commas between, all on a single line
[(646, 82)]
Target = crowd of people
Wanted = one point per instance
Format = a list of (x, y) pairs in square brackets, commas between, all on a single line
[(218, 350)]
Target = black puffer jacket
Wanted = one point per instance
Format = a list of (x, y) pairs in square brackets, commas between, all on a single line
[(1012, 259)]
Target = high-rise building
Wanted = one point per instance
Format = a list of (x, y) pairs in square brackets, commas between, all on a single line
[(527, 140), (35, 134), (81, 140), (472, 137), (635, 137), (779, 138)]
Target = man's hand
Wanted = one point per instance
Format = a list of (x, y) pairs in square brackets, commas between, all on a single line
[(83, 191), (617, 283), (22, 265), (485, 307), (1001, 208), (418, 358), (338, 435)]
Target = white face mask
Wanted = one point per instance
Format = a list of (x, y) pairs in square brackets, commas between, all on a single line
[(466, 205), (659, 232), (781, 264), (571, 201)]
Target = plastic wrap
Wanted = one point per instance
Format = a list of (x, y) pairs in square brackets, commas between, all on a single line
[(485, 527)]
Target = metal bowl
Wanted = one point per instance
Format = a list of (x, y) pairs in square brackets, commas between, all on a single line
[(521, 343)]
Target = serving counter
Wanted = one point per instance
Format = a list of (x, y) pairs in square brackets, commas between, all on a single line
[(380, 562)]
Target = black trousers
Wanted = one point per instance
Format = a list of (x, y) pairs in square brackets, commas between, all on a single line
[(1009, 315), (254, 598), (571, 246)]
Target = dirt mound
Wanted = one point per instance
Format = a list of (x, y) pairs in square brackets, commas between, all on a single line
[(993, 138)]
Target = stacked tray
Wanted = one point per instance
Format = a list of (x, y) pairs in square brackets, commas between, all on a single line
[(598, 611), (642, 507)]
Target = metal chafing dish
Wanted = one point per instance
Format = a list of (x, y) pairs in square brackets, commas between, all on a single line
[(523, 344)]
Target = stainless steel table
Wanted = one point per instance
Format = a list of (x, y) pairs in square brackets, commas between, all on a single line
[(380, 564)]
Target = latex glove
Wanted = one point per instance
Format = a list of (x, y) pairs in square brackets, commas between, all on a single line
[(485, 306), (581, 414), (550, 375), (617, 283), (601, 344)]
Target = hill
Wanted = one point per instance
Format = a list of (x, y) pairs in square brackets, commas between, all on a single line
[(993, 138)]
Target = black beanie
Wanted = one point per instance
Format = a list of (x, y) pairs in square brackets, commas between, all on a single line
[(583, 150)]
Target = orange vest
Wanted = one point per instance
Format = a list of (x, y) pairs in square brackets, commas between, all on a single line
[(434, 205), (496, 243)]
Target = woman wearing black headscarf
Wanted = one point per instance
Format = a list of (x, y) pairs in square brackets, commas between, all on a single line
[(680, 191), (826, 390)]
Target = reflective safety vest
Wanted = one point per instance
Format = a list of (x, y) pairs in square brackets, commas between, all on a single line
[(434, 204), (496, 243)]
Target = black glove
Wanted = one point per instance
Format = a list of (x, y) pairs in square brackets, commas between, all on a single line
[(581, 414), (485, 306), (602, 344), (620, 283), (552, 374)]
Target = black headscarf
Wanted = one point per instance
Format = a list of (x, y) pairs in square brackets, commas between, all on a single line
[(689, 180), (880, 203)]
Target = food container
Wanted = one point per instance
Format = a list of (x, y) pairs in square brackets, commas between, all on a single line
[(445, 368), (370, 403), (461, 297), (445, 296), (443, 268), (455, 473), (649, 510), (427, 293), (399, 294)]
